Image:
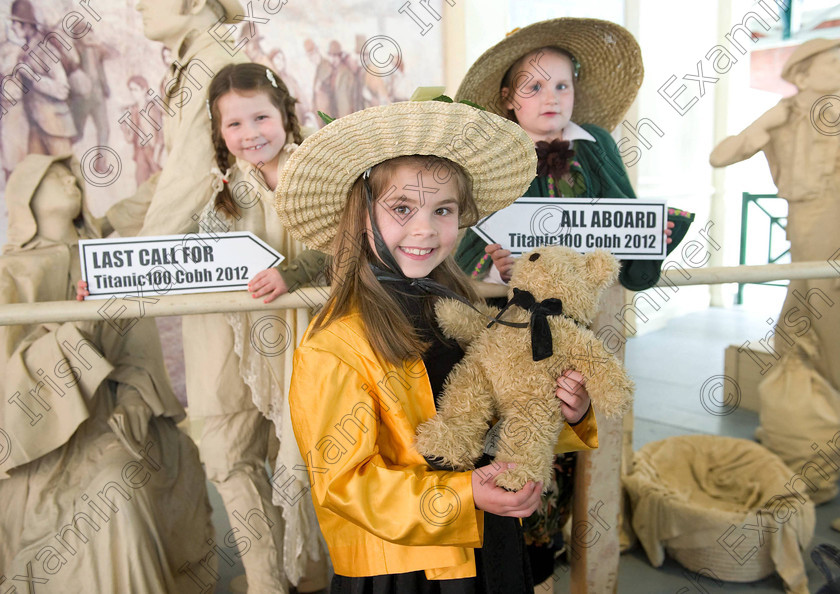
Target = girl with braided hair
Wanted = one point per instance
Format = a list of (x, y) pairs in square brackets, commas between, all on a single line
[(236, 385), (238, 390)]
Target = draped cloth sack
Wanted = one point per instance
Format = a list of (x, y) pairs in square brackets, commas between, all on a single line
[(800, 408), (719, 506), (100, 491)]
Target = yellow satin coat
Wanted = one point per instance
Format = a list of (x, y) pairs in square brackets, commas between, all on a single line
[(382, 510)]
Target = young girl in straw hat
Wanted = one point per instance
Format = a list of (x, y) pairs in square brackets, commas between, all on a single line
[(541, 77), (385, 190)]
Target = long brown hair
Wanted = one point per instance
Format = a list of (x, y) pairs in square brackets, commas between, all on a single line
[(247, 78), (354, 286)]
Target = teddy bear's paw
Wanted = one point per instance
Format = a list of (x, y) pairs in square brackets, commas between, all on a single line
[(614, 403), (425, 439), (460, 321), (450, 314), (435, 440), (514, 479)]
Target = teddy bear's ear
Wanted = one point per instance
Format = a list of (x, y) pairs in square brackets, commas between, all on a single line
[(602, 267)]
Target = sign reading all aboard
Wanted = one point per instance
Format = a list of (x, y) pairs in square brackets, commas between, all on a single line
[(173, 264), (629, 229)]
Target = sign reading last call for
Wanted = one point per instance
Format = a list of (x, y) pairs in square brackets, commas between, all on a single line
[(629, 229), (173, 264)]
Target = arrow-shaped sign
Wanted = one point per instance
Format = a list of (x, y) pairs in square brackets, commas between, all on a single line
[(627, 228), (173, 264)]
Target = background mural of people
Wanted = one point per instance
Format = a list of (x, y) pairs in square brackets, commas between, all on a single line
[(373, 90), (278, 62), (13, 130), (321, 85), (46, 88), (343, 86), (89, 88), (146, 156), (102, 83)]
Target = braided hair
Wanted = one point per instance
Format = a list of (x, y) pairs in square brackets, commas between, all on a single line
[(248, 77)]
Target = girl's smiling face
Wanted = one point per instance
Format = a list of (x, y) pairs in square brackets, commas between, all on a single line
[(418, 219), (252, 127), (542, 94)]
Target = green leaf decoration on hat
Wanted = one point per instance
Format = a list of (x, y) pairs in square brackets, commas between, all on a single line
[(447, 99), (426, 93), (471, 104), (420, 94), (327, 119), (436, 94)]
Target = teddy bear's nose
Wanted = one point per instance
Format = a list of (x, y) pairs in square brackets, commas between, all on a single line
[(534, 257)]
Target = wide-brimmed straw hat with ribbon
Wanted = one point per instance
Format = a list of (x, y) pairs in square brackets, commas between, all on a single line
[(315, 183), (611, 69)]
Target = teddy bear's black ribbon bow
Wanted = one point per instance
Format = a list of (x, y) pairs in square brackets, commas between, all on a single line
[(541, 341)]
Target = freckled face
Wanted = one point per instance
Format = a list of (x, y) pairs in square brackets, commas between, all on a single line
[(418, 220)]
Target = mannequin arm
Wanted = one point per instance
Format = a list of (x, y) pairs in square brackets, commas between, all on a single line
[(751, 140)]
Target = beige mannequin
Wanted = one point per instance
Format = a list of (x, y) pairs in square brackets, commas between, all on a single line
[(798, 137), (166, 202), (235, 434), (56, 211), (88, 414)]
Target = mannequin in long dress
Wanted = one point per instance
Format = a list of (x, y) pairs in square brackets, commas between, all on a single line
[(799, 139), (101, 491)]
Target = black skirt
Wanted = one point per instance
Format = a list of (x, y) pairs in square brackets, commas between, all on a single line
[(502, 567)]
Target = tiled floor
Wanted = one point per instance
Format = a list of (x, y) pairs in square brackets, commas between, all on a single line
[(670, 367)]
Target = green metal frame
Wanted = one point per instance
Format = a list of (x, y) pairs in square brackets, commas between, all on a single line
[(786, 18), (774, 221)]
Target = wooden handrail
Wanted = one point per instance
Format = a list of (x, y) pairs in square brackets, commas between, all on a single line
[(151, 305)]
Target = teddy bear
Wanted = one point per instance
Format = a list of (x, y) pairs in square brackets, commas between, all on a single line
[(510, 365)]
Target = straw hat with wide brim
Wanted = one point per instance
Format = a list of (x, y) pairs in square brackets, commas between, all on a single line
[(315, 183), (611, 69)]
